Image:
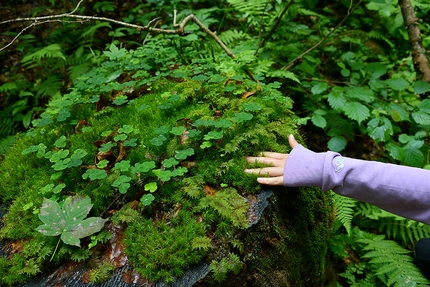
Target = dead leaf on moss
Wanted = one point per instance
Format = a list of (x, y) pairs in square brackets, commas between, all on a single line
[(79, 124), (209, 190)]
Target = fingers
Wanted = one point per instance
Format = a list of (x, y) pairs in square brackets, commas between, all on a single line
[(270, 171), (278, 180), (275, 155), (292, 141), (266, 160)]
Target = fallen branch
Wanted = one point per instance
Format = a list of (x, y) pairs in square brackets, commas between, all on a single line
[(149, 28), (299, 58), (420, 60)]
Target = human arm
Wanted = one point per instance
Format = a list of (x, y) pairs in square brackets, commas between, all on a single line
[(399, 189)]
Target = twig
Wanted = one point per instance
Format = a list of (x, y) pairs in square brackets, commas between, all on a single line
[(420, 60), (278, 20), (299, 58)]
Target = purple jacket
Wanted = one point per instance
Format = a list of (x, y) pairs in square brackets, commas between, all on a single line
[(398, 189)]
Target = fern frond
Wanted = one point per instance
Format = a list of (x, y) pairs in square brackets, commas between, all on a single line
[(50, 87), (283, 74), (378, 35), (344, 207), (51, 51), (392, 261), (250, 7), (231, 36)]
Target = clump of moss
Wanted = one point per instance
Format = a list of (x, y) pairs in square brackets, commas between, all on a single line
[(128, 133)]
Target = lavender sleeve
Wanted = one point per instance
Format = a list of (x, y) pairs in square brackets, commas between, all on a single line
[(402, 190)]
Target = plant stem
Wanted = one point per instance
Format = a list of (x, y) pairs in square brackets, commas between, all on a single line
[(56, 247)]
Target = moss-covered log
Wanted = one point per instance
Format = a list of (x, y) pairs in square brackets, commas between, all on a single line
[(156, 148)]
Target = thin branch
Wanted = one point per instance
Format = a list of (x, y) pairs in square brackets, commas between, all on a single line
[(420, 60), (299, 58), (180, 30), (278, 20)]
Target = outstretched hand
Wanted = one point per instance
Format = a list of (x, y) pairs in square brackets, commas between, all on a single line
[(275, 162)]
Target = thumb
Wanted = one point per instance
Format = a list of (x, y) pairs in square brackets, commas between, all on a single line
[(292, 141)]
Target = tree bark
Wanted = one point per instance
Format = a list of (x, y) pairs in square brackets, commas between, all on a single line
[(418, 52)]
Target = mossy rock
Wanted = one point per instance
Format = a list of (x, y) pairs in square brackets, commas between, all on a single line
[(159, 146)]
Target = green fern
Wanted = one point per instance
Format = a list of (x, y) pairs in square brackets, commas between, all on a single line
[(231, 36), (392, 263), (51, 51), (222, 267), (344, 207), (101, 273), (396, 227)]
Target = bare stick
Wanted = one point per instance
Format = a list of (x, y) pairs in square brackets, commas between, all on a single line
[(278, 20), (299, 58), (420, 60)]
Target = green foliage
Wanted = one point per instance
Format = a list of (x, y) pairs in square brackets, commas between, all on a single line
[(222, 267), (101, 273)]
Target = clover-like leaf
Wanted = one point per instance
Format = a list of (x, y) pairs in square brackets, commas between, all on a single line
[(75, 159), (120, 180), (215, 135), (158, 141), (103, 163), (120, 137), (183, 154), (61, 142), (170, 162), (94, 174), (180, 171), (177, 131), (164, 175), (126, 129), (151, 187), (130, 142), (143, 167), (147, 199), (56, 156), (68, 220), (161, 130), (123, 165), (120, 100), (206, 144), (107, 146), (242, 117)]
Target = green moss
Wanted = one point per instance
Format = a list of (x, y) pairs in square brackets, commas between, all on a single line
[(176, 145)]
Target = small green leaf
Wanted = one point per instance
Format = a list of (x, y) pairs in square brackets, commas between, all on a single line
[(87, 130), (103, 163), (28, 206), (143, 167), (178, 131), (120, 137), (151, 187), (56, 176), (58, 155), (170, 162), (183, 154), (107, 146), (161, 130), (319, 88), (61, 164), (421, 118), (126, 129), (120, 100), (319, 121), (47, 188), (147, 199), (59, 188), (356, 111), (130, 142), (397, 84), (142, 107), (337, 143), (180, 171), (205, 144), (421, 87), (242, 117), (158, 141), (61, 142), (336, 100), (30, 149), (94, 174), (163, 175), (123, 165), (213, 135), (106, 133)]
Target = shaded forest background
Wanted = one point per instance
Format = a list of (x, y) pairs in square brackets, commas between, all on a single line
[(349, 67)]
